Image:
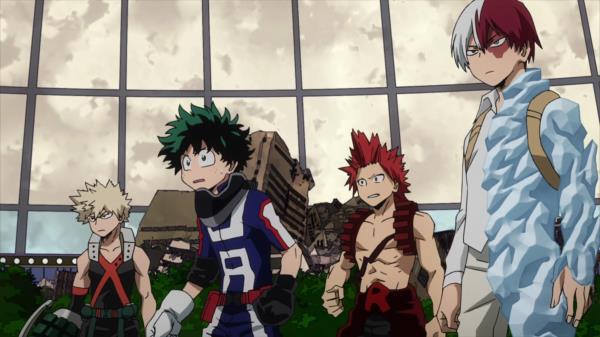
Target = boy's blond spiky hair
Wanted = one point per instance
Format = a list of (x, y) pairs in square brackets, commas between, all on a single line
[(98, 198)]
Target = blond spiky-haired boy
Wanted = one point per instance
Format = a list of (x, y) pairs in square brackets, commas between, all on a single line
[(109, 267)]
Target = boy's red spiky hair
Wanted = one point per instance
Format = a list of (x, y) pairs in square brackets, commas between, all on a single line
[(367, 152)]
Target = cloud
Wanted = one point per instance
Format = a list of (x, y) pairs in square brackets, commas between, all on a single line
[(16, 23), (373, 33), (225, 63)]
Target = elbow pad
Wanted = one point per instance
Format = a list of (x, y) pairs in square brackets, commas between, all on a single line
[(204, 272)]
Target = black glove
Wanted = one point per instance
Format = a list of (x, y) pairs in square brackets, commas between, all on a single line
[(204, 272), (276, 305)]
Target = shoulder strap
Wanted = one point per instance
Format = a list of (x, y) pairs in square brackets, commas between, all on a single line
[(94, 247), (375, 254), (473, 135), (128, 243), (535, 110)]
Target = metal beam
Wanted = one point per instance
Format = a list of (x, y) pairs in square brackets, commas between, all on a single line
[(390, 74), (206, 55), (587, 36), (424, 89), (298, 92), (122, 128), (34, 60)]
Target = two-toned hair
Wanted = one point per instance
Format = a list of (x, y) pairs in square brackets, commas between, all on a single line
[(481, 18), (367, 151), (97, 199)]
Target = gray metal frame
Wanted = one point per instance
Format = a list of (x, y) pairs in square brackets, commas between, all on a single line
[(391, 91)]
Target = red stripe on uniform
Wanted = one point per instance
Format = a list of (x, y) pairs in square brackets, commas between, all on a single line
[(200, 236), (269, 226)]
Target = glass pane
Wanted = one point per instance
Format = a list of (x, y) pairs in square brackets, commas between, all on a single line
[(46, 232), (252, 44), (421, 48), (444, 219), (432, 140), (80, 44), (16, 23), (56, 233), (12, 121), (329, 122), (267, 114), (559, 27), (341, 44), (593, 11), (584, 95), (165, 45), (134, 221), (74, 137), (8, 231), (145, 171)]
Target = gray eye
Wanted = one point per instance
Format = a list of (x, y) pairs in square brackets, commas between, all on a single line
[(378, 178), (362, 182)]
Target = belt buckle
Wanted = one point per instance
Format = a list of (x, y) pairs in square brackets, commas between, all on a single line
[(233, 299)]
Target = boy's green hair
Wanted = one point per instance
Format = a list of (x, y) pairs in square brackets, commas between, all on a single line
[(206, 124)]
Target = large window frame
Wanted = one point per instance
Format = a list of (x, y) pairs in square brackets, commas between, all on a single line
[(32, 91)]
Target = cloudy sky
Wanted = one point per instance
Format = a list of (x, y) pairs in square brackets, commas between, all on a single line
[(252, 48)]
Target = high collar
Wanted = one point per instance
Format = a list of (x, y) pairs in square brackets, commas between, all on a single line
[(212, 208)]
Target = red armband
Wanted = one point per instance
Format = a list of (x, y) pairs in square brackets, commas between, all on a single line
[(79, 291)]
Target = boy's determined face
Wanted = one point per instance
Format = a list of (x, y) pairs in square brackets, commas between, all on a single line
[(498, 61), (104, 223), (374, 185), (205, 169)]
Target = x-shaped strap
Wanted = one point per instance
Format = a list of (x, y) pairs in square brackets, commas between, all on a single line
[(110, 272)]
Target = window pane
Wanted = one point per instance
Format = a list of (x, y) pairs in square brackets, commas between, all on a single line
[(46, 232), (329, 122), (12, 121), (584, 95), (145, 171), (593, 11), (341, 44), (165, 45), (433, 128), (74, 137), (134, 221), (266, 114), (8, 231), (559, 27), (422, 48), (16, 22), (80, 44), (56, 233), (444, 219), (252, 44)]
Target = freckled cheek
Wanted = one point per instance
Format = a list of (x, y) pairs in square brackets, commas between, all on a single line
[(499, 51)]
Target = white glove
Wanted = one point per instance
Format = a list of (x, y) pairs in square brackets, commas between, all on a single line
[(166, 321)]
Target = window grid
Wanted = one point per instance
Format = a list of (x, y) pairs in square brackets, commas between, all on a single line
[(391, 90)]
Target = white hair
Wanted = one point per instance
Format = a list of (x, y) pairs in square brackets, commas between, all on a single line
[(463, 30)]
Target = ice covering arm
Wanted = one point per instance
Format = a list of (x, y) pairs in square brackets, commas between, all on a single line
[(563, 140)]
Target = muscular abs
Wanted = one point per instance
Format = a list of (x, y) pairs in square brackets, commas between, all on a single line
[(391, 268)]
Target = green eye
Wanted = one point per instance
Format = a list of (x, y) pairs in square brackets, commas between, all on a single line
[(203, 158)]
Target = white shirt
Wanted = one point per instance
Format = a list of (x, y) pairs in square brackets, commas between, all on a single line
[(472, 218)]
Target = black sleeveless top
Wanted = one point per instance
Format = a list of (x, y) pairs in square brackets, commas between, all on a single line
[(106, 290)]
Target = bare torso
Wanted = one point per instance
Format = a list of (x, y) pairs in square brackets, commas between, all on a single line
[(391, 268)]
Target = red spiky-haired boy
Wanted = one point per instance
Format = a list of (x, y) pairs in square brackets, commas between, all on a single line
[(383, 241)]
